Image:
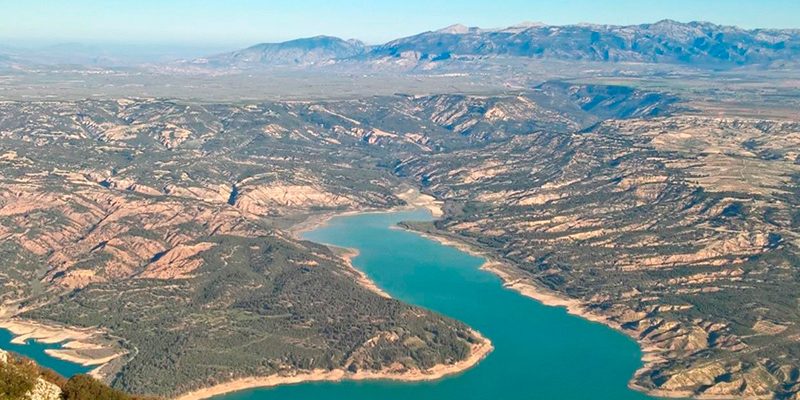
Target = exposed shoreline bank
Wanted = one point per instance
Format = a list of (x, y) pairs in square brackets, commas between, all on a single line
[(650, 354), (414, 200), (478, 352), (76, 344), (348, 255)]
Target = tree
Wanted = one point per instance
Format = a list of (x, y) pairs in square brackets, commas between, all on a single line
[(84, 387)]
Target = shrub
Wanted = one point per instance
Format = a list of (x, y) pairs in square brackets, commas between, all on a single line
[(17, 377), (84, 387)]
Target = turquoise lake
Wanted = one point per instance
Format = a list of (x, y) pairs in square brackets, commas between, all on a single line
[(35, 351), (540, 352)]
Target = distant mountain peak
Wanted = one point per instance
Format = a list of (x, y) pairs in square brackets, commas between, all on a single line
[(529, 24), (313, 41), (304, 51), (668, 22), (522, 26), (455, 29)]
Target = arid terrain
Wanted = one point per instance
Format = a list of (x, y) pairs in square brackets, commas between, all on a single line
[(154, 234)]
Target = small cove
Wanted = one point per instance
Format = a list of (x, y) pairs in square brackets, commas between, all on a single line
[(35, 350)]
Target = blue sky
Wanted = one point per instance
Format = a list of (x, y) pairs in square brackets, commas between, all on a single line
[(242, 22)]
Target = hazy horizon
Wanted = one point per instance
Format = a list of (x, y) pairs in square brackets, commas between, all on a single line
[(204, 25)]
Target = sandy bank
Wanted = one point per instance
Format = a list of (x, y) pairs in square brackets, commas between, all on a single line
[(478, 352), (414, 200), (651, 355), (80, 358), (28, 330), (78, 345), (544, 296), (348, 254)]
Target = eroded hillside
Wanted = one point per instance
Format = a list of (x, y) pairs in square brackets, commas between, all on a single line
[(160, 222), (151, 224), (682, 231)]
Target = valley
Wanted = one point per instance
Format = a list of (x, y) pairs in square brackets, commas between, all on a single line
[(153, 231)]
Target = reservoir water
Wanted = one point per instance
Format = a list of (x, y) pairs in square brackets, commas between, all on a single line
[(35, 351), (540, 353)]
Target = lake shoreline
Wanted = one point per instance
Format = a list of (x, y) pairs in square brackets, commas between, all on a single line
[(348, 254), (75, 343), (650, 354), (414, 200), (478, 352)]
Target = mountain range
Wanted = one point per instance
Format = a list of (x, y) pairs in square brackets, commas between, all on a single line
[(700, 44), (308, 51), (696, 44)]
